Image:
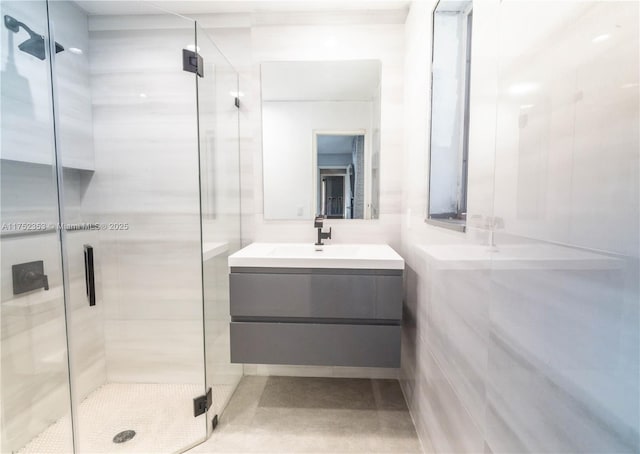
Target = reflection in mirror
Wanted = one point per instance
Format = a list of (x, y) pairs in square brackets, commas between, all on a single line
[(340, 175), (320, 139)]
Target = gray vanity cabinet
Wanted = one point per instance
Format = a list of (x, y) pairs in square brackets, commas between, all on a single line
[(316, 316)]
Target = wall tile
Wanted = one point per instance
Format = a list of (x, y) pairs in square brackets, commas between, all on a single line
[(529, 344)]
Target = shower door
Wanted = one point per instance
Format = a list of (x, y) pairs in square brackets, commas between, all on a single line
[(34, 389), (126, 119), (101, 107), (118, 158), (219, 101)]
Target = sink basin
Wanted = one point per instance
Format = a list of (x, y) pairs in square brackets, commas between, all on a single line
[(309, 251), (305, 255)]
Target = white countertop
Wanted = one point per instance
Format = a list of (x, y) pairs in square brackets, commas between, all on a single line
[(211, 249), (517, 256), (305, 255)]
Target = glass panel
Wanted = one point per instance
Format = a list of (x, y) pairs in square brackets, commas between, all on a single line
[(220, 181), (127, 117), (563, 350), (35, 375)]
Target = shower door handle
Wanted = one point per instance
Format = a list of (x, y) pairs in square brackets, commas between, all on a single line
[(89, 276)]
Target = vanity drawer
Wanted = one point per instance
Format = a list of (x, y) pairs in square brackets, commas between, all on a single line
[(316, 295), (315, 344)]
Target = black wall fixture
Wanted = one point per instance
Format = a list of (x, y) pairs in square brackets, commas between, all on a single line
[(29, 276), (89, 275), (192, 62)]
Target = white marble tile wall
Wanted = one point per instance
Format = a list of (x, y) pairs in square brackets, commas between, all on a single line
[(73, 86), (531, 345)]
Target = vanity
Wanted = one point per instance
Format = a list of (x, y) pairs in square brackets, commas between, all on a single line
[(293, 304)]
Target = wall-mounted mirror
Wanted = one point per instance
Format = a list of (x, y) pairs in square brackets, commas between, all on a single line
[(321, 139), (450, 86)]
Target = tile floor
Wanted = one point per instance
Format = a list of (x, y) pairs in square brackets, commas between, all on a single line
[(320, 415)]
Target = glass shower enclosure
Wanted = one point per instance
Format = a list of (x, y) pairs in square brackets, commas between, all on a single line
[(119, 205)]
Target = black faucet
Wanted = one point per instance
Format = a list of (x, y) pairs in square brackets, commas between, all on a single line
[(317, 223)]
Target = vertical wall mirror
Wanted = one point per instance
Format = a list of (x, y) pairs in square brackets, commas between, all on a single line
[(450, 70), (321, 139)]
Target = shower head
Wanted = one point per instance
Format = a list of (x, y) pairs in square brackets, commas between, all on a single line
[(35, 44)]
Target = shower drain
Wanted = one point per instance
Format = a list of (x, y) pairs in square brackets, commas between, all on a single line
[(123, 436)]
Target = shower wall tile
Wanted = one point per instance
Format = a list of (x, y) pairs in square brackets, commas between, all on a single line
[(73, 85), (146, 277), (152, 351)]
